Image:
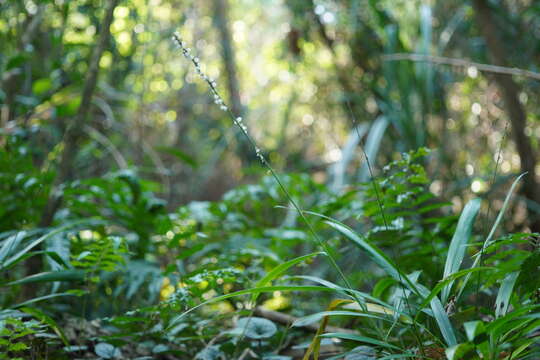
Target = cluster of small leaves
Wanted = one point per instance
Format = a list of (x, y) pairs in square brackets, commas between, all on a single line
[(121, 198), (100, 254), (24, 187), (15, 335), (412, 220), (515, 253)]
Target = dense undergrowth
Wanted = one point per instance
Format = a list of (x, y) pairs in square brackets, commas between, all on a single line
[(123, 277)]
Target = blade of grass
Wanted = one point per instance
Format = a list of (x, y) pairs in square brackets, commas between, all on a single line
[(359, 338), (62, 275), (505, 293), (251, 291), (379, 257), (488, 240), (459, 242), (279, 270)]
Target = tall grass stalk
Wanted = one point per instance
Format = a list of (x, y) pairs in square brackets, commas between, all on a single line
[(493, 177), (385, 222), (238, 121)]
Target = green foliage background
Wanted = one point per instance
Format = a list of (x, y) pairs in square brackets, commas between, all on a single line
[(136, 220)]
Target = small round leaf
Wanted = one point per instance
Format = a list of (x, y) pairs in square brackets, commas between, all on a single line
[(257, 328)]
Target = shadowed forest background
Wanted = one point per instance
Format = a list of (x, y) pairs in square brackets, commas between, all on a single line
[(333, 179)]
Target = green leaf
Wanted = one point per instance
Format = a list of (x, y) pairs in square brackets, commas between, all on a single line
[(281, 269), (451, 278), (41, 86), (505, 293), (310, 319), (473, 329), (265, 289), (41, 316), (14, 259), (443, 322), (488, 241), (374, 253), (459, 351), (257, 328), (69, 108), (503, 210), (359, 338), (459, 242), (107, 351), (361, 353), (20, 346), (10, 244), (41, 298), (49, 276), (179, 154), (528, 279)]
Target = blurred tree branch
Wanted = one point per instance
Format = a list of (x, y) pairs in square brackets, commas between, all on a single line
[(462, 63)]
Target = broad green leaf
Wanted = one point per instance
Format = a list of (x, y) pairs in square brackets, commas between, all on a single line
[(473, 329), (488, 241), (443, 322), (458, 244), (256, 328), (505, 293), (449, 279), (459, 351)]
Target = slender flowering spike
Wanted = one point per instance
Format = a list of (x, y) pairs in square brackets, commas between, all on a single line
[(238, 121)]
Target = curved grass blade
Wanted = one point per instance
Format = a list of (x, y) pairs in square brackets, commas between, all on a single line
[(458, 245), (9, 244), (379, 257), (448, 280), (488, 240), (41, 298), (49, 276), (359, 338), (373, 143), (505, 293), (312, 318), (280, 270), (265, 289)]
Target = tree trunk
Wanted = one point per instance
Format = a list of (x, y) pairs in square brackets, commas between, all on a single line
[(516, 113)]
